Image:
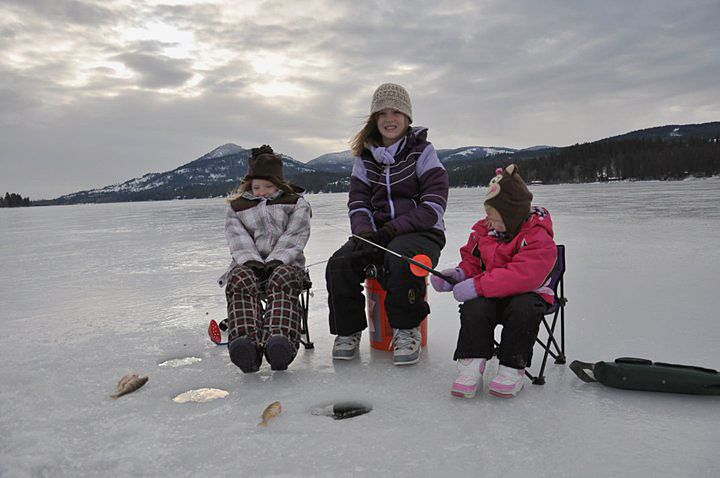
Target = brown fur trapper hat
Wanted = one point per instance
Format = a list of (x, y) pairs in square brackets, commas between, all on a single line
[(265, 164), (509, 195)]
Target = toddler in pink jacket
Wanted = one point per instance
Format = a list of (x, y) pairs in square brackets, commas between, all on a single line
[(503, 280)]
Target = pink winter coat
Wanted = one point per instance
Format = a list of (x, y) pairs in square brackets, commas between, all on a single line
[(503, 269)]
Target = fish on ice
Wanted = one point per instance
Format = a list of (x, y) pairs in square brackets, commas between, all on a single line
[(270, 412), (129, 383)]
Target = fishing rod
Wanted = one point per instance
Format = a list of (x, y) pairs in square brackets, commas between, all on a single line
[(420, 261), (316, 263)]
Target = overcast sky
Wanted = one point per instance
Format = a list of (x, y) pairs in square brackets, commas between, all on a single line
[(95, 92)]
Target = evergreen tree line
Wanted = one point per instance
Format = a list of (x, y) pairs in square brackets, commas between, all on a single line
[(14, 200), (321, 182), (631, 159), (604, 161)]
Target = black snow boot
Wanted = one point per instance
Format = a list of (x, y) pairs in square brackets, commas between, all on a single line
[(279, 352), (245, 354)]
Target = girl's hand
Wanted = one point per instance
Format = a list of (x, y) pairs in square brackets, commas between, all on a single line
[(269, 268), (257, 267), (384, 235), (441, 285), (465, 290)]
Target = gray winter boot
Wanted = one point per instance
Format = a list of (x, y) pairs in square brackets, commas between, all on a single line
[(407, 346), (346, 346)]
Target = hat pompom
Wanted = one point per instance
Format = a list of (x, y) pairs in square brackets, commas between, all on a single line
[(265, 164), (264, 149)]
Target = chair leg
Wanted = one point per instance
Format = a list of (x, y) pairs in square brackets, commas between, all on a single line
[(559, 349), (559, 354), (304, 329), (561, 359)]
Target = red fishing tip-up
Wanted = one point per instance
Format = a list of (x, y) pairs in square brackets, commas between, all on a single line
[(421, 259)]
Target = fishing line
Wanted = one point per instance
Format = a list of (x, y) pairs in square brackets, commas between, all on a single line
[(420, 261)]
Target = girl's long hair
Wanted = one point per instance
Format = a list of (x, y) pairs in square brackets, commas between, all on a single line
[(369, 134)]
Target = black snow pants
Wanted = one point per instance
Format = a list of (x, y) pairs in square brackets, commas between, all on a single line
[(405, 301), (520, 316)]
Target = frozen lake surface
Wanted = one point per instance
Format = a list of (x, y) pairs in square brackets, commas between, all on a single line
[(89, 293)]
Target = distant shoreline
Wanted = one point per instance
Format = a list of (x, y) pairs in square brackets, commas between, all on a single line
[(42, 203)]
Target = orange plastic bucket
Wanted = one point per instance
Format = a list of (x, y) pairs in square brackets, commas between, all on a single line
[(381, 333)]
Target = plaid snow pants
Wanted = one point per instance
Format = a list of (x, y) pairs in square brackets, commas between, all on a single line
[(259, 310)]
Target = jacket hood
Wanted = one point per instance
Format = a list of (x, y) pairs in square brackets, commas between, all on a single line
[(539, 217)]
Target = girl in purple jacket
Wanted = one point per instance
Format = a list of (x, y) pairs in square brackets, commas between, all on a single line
[(398, 195)]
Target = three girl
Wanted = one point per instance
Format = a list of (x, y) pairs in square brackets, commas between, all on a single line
[(398, 194), (267, 226)]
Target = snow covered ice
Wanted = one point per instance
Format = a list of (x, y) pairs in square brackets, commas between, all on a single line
[(89, 293)]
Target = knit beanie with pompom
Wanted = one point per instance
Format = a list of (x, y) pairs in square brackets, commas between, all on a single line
[(265, 164)]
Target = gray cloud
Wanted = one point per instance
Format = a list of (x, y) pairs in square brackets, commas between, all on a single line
[(67, 11), (148, 87), (156, 71)]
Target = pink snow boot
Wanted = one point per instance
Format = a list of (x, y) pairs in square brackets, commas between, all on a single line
[(469, 377), (508, 383)]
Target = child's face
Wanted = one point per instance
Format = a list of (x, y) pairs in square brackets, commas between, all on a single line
[(392, 125), (263, 188), (494, 219)]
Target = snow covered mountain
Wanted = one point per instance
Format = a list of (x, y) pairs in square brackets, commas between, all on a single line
[(342, 162), (224, 150), (471, 153), (339, 162), (216, 172)]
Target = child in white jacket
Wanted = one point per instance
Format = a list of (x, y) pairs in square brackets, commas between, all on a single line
[(267, 226)]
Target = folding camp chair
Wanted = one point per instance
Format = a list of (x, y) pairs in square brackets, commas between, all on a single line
[(557, 310), (215, 328), (305, 305)]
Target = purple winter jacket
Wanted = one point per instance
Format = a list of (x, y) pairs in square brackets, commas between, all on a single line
[(404, 184)]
